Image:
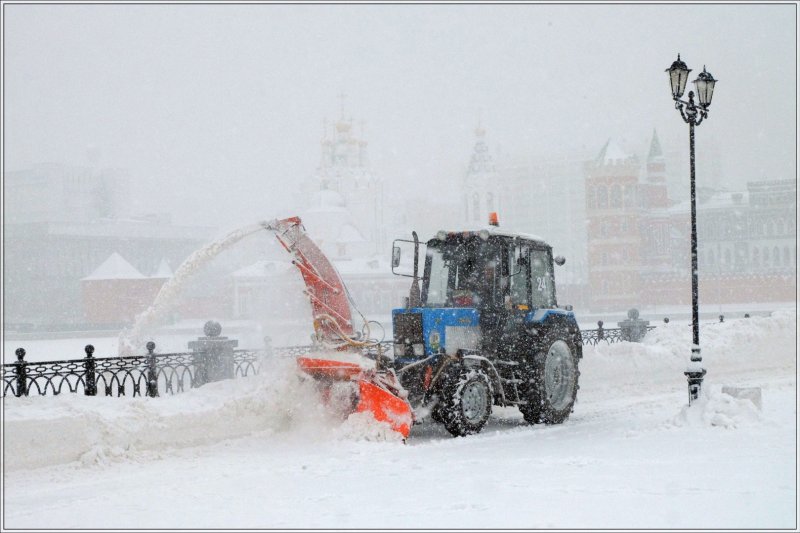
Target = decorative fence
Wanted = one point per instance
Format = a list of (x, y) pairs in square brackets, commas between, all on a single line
[(138, 375), (592, 337), (155, 374)]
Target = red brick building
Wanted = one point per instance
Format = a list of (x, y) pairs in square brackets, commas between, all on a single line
[(638, 239), (116, 291)]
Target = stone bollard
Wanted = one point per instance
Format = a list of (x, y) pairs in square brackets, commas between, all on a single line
[(633, 329), (212, 355)]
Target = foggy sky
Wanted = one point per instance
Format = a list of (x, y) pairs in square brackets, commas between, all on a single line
[(217, 110)]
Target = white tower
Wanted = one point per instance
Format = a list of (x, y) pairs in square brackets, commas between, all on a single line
[(481, 189), (344, 172)]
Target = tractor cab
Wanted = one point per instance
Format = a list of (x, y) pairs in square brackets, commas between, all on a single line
[(475, 284)]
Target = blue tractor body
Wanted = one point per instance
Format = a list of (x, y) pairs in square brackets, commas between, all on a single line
[(485, 329)]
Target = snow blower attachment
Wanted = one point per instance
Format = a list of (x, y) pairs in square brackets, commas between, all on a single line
[(350, 381)]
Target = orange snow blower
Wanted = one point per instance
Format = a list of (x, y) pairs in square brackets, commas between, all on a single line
[(350, 381)]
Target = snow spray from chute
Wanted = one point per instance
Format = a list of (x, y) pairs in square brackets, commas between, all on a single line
[(131, 339), (377, 390)]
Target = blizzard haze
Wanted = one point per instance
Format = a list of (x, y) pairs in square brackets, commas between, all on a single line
[(217, 110)]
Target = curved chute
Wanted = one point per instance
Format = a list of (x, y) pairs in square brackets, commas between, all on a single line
[(378, 390)]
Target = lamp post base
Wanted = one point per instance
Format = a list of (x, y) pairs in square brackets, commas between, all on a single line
[(695, 379)]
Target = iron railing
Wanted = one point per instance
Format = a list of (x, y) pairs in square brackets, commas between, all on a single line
[(592, 337), (155, 374), (137, 375)]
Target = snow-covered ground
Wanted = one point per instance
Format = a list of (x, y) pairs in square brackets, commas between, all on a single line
[(259, 453)]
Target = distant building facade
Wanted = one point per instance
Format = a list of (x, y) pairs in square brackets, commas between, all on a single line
[(116, 291), (342, 208), (61, 223), (544, 197), (639, 240)]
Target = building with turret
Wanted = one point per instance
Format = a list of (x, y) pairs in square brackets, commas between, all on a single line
[(614, 227), (342, 202), (639, 239)]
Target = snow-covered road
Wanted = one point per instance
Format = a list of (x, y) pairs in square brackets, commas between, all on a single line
[(247, 454)]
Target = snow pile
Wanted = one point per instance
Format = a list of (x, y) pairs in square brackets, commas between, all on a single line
[(364, 427), (96, 430), (735, 342), (735, 347), (717, 409)]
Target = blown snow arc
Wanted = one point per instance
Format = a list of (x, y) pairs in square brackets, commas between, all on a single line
[(343, 358)]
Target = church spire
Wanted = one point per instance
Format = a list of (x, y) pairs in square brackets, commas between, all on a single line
[(655, 148)]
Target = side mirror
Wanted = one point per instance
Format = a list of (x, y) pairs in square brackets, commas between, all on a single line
[(395, 256), (559, 260)]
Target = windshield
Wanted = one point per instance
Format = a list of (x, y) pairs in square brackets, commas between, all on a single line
[(461, 274), (437, 274)]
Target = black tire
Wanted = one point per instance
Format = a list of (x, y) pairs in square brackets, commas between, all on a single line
[(465, 402), (552, 383), (436, 413)]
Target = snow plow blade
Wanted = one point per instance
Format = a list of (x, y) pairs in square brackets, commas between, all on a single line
[(373, 391)]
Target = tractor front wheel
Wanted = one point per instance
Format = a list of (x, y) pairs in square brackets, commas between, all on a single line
[(465, 402)]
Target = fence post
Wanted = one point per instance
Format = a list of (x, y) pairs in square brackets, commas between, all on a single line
[(747, 315), (22, 373), (89, 364), (152, 375), (268, 346), (600, 335), (722, 318)]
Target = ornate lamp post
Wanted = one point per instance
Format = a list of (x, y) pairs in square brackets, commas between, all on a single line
[(693, 114)]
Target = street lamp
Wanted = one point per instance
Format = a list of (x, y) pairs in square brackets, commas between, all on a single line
[(693, 114)]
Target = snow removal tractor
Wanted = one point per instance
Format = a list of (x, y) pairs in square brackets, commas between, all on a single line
[(483, 328)]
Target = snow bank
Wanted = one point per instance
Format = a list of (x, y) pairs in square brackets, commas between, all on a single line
[(717, 409), (46, 430), (728, 349)]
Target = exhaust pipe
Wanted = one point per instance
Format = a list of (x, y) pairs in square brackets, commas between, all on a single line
[(414, 298)]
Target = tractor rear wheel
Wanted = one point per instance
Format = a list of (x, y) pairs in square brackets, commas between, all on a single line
[(465, 402), (552, 384)]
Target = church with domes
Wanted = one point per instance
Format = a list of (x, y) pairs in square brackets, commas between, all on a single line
[(341, 203)]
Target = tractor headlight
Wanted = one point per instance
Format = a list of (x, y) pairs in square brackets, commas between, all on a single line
[(419, 349)]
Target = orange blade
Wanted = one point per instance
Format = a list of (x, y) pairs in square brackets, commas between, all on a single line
[(385, 407)]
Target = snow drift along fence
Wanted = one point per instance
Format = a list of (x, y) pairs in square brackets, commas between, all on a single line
[(154, 374)]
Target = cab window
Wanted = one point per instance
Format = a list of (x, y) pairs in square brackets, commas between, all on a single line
[(541, 268), (518, 275)]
